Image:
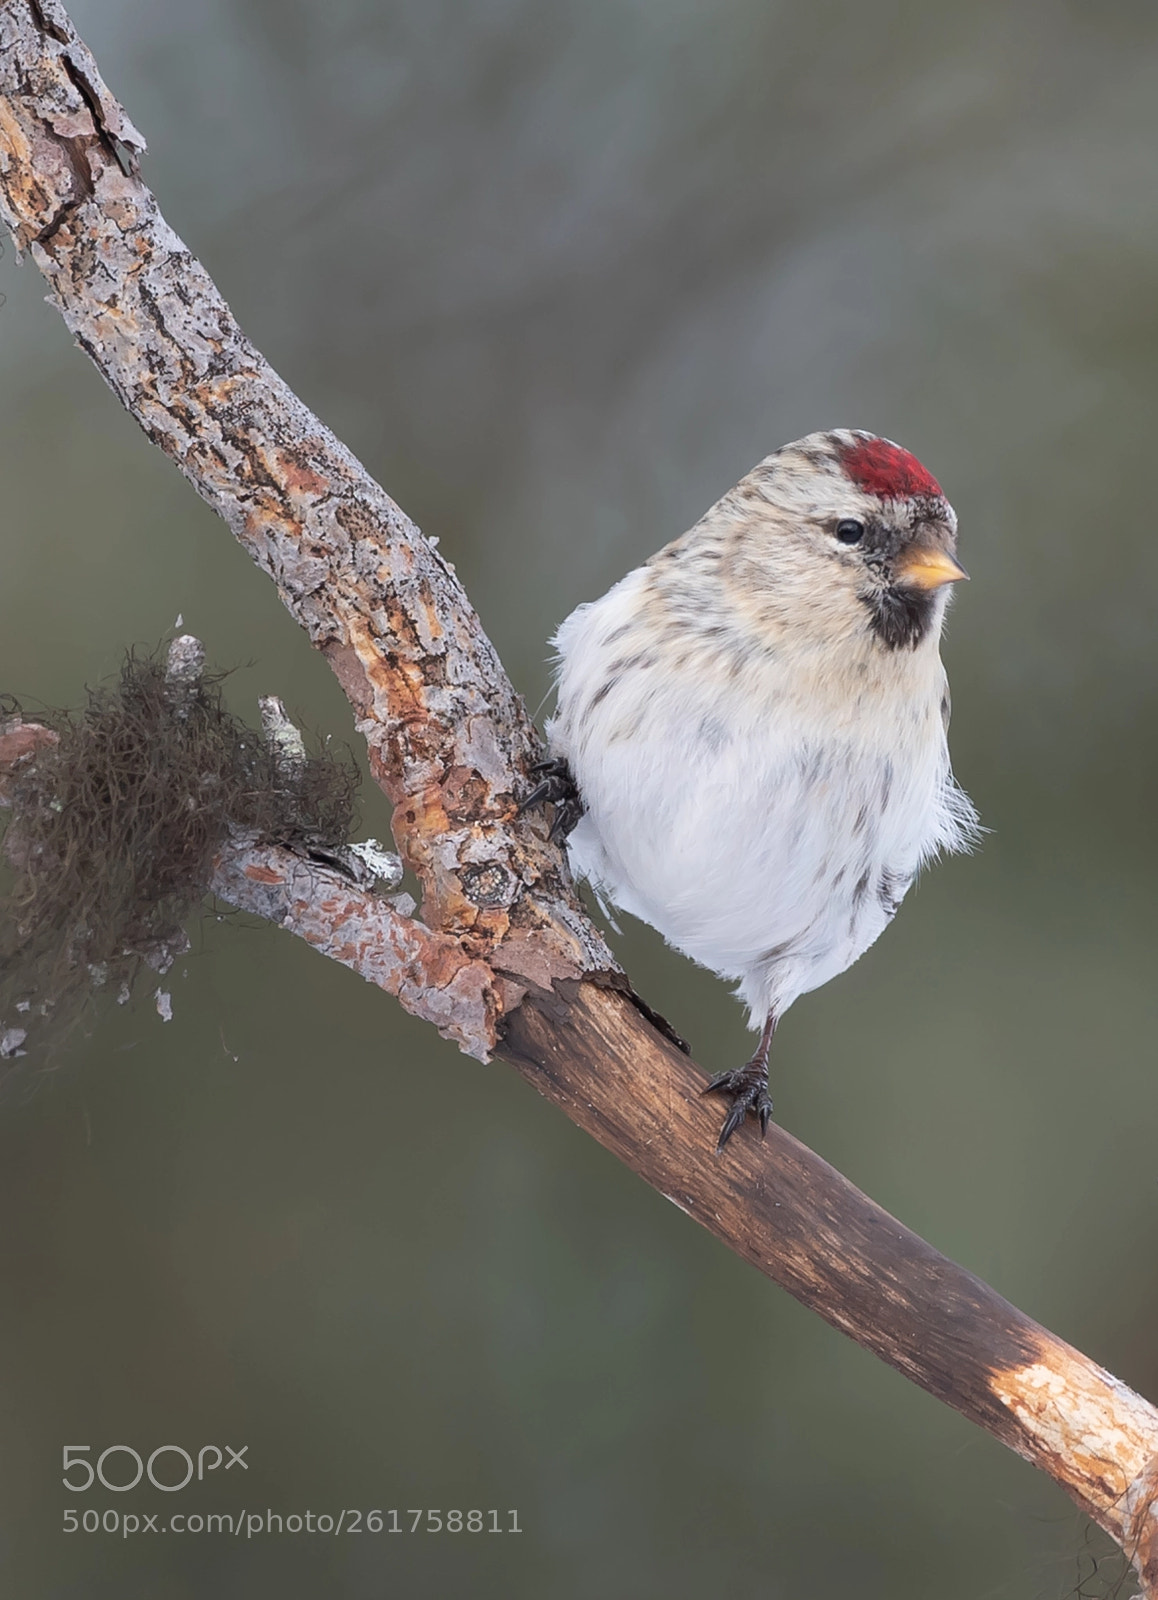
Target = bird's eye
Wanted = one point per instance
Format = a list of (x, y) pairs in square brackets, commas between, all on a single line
[(849, 530)]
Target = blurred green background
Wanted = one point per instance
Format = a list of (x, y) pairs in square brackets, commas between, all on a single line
[(560, 271)]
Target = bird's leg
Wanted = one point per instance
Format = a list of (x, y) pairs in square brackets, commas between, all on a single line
[(747, 1088), (560, 788)]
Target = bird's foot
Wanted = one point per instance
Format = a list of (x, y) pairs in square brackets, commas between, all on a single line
[(559, 788), (747, 1088)]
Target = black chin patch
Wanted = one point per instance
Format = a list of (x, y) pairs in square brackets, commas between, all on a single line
[(901, 615)]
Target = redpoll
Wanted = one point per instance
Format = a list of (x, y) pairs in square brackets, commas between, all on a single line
[(750, 751)]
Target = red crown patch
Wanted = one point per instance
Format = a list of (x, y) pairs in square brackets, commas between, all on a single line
[(884, 469)]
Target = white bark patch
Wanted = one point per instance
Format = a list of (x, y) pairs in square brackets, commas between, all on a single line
[(1104, 1433)]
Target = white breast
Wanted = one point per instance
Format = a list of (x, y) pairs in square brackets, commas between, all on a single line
[(765, 828)]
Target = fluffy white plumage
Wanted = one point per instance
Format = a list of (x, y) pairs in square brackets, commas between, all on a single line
[(756, 719)]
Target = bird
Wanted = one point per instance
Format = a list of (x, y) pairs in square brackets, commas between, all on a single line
[(749, 750)]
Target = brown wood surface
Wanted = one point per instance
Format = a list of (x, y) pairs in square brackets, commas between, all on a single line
[(801, 1223)]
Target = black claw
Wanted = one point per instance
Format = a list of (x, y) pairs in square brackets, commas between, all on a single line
[(559, 789), (566, 816), (747, 1088), (541, 791)]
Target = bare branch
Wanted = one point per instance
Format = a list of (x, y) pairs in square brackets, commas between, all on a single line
[(449, 739), (429, 973), (504, 959)]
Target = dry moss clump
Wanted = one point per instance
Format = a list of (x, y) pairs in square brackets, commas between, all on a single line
[(113, 831)]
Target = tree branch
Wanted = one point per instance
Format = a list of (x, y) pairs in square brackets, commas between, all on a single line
[(449, 740), (504, 960)]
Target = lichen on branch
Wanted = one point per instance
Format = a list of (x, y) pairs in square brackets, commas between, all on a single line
[(115, 825)]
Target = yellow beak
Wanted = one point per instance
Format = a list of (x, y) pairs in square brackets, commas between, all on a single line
[(929, 569)]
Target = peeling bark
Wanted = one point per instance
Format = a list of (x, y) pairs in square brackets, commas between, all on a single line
[(19, 742), (449, 740), (428, 972), (505, 959)]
